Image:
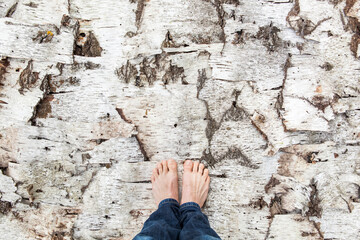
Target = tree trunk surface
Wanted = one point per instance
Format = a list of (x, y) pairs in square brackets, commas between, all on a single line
[(264, 92)]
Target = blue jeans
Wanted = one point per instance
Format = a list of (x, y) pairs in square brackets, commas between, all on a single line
[(172, 221)]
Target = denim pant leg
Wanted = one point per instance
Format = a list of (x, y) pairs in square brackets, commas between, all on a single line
[(163, 224), (195, 224)]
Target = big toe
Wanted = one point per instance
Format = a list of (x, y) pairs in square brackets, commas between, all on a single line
[(172, 165), (188, 164)]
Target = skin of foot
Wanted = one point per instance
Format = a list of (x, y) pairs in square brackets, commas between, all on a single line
[(164, 181), (196, 182)]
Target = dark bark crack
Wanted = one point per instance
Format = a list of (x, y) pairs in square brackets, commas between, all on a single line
[(83, 188), (138, 139), (280, 99), (11, 10)]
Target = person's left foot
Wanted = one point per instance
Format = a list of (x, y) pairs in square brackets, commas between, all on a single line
[(165, 181)]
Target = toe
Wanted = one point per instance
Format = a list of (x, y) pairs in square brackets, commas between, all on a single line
[(201, 168), (171, 163), (207, 180), (206, 173), (155, 172), (196, 166), (188, 165), (164, 166), (159, 168), (152, 178)]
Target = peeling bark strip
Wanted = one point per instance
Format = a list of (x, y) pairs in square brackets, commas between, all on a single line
[(90, 47), (28, 78)]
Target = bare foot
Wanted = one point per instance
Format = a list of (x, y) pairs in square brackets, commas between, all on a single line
[(165, 181), (196, 182)]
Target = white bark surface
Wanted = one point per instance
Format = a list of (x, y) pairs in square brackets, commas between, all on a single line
[(264, 92)]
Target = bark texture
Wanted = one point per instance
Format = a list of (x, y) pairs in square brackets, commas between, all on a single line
[(264, 92)]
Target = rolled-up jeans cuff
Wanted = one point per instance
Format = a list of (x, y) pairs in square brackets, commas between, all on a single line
[(191, 205), (168, 201)]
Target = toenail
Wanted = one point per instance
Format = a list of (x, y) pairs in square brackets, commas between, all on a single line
[(188, 162)]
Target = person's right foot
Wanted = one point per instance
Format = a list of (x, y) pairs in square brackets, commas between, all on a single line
[(165, 181), (196, 182)]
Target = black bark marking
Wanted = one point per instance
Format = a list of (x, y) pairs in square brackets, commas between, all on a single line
[(258, 204), (43, 107), (28, 78), (127, 72), (239, 37), (314, 203), (169, 41), (91, 47), (173, 73), (66, 20), (269, 36), (135, 213), (31, 4), (149, 70), (43, 36), (11, 10), (272, 183), (5, 207), (4, 63), (327, 66), (221, 21)]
